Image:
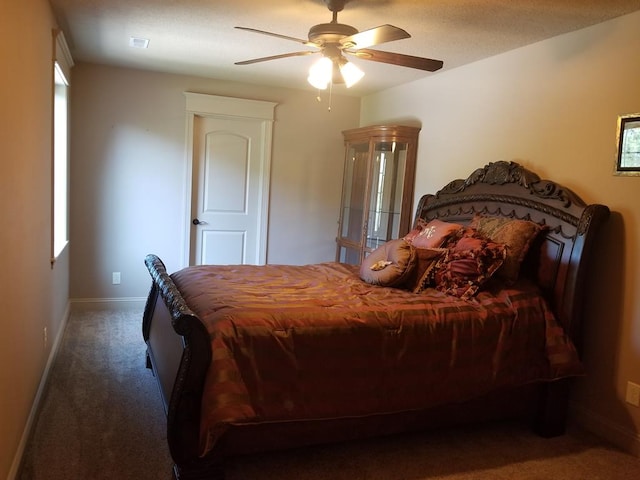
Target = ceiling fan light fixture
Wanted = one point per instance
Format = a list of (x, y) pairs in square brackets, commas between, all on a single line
[(350, 73), (320, 73), (334, 39)]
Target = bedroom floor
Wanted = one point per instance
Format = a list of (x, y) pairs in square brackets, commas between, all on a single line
[(101, 418)]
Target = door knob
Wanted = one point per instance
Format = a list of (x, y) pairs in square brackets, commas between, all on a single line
[(195, 221)]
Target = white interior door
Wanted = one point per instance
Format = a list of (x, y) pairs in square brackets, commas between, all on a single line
[(230, 179), (228, 193)]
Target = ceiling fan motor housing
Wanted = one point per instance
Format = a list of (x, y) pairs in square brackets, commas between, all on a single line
[(325, 33)]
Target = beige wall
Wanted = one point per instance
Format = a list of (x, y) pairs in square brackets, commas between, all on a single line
[(552, 106), (33, 295), (128, 174)]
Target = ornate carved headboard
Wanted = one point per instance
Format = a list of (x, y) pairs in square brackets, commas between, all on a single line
[(508, 189)]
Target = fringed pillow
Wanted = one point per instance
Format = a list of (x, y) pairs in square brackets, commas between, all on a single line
[(468, 264)]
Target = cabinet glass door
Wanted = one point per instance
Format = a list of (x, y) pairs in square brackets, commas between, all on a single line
[(349, 255), (354, 192), (385, 200)]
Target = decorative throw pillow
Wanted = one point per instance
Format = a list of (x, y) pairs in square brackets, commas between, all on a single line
[(419, 226), (424, 272), (468, 265), (517, 235), (389, 265), (431, 234)]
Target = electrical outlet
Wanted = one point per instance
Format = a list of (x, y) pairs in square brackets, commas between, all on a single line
[(115, 278), (45, 337), (633, 394)]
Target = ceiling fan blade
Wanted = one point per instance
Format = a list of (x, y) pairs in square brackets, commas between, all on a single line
[(410, 61), (276, 57), (374, 36), (285, 37)]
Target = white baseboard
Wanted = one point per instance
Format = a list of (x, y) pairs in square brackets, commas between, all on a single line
[(35, 406), (620, 436), (122, 303)]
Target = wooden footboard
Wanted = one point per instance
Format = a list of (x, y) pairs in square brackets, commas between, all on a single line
[(179, 352)]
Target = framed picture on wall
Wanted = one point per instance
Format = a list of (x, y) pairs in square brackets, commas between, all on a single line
[(628, 145)]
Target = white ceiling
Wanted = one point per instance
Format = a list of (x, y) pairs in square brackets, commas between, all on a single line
[(196, 37)]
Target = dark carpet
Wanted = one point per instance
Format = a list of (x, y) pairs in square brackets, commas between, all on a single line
[(101, 418), (101, 415)]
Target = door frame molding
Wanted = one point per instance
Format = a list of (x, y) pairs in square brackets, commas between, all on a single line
[(214, 106)]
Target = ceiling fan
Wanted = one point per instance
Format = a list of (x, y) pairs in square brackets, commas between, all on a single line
[(335, 39)]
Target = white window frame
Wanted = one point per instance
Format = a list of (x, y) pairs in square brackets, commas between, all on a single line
[(61, 72)]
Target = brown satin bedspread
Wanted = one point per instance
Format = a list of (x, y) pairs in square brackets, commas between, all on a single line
[(309, 342)]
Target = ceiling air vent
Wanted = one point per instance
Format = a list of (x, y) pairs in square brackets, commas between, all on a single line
[(136, 42)]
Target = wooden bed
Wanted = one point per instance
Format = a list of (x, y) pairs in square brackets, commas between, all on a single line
[(298, 392)]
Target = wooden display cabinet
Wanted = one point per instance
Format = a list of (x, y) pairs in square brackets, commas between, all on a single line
[(377, 188)]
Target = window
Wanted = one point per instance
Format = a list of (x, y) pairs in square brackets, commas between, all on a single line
[(60, 169), (60, 162)]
